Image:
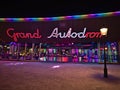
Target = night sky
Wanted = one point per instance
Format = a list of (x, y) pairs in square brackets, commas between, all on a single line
[(49, 8)]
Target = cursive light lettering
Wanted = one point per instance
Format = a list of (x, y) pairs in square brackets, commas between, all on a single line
[(17, 35), (71, 34)]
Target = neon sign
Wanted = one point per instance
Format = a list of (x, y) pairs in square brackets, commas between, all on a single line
[(15, 36), (70, 34), (55, 34)]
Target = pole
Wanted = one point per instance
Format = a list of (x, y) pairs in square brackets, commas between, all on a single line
[(33, 46), (104, 33), (25, 51), (40, 49), (105, 66)]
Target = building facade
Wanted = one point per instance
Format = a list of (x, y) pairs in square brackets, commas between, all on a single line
[(61, 39)]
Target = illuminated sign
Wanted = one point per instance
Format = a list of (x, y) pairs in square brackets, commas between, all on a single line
[(55, 34), (71, 34), (15, 36)]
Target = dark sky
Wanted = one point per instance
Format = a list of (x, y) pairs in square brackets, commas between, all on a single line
[(48, 8)]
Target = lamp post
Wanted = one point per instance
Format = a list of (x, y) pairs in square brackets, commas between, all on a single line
[(104, 33)]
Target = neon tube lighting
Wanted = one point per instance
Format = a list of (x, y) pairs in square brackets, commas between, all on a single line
[(72, 17)]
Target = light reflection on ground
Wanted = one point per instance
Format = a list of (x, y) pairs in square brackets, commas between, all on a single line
[(56, 66), (14, 63)]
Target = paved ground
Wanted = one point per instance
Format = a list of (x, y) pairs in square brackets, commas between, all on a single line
[(57, 76)]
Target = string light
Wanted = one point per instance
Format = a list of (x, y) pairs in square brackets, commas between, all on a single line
[(72, 17)]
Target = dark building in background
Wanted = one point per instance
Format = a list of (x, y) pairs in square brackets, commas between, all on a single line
[(61, 39)]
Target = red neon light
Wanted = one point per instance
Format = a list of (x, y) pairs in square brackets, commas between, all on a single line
[(93, 35), (16, 36)]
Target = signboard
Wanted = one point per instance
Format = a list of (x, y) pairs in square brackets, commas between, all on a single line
[(63, 31)]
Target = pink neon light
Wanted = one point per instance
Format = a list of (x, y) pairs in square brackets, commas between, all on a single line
[(16, 36)]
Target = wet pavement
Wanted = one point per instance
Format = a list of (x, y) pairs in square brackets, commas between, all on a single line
[(18, 75)]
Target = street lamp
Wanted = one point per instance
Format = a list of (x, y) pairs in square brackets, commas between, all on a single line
[(104, 33)]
